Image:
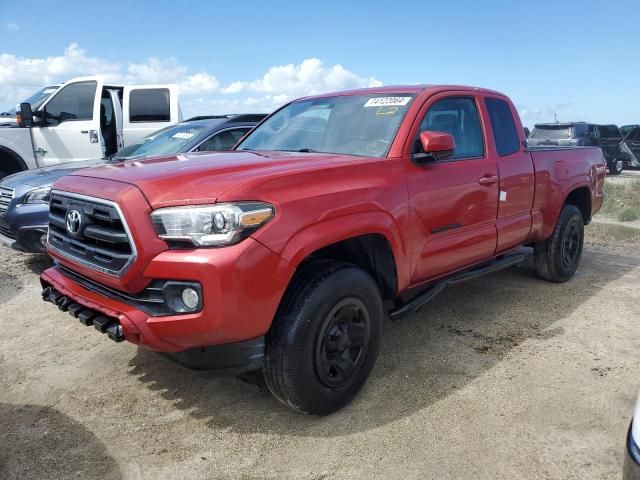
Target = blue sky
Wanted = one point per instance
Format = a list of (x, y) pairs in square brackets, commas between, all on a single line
[(573, 58)]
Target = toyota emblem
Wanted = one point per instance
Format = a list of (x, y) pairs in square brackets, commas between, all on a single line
[(74, 221)]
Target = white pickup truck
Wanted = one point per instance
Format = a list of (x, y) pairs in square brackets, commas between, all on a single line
[(86, 118)]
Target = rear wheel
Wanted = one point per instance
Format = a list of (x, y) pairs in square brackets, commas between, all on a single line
[(325, 338), (615, 167), (558, 257)]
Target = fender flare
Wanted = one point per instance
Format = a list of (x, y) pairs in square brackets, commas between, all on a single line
[(321, 234), (550, 216)]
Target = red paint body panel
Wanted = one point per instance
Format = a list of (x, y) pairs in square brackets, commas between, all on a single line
[(238, 303), (437, 218)]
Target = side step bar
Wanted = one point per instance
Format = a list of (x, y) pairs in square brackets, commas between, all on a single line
[(422, 298)]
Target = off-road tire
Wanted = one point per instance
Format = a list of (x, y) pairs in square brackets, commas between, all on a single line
[(299, 351), (558, 257)]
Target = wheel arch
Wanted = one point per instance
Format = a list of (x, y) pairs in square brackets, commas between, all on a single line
[(371, 252), (581, 198), (13, 160), (371, 240)]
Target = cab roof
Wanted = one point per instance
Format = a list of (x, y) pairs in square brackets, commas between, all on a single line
[(405, 89)]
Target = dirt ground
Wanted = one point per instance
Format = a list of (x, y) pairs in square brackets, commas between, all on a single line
[(503, 377)]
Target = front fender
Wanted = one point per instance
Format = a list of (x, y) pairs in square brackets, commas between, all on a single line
[(326, 232), (17, 142)]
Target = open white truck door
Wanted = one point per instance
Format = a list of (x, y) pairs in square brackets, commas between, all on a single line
[(147, 108), (70, 124)]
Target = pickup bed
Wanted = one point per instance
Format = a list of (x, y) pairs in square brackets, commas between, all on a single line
[(286, 254)]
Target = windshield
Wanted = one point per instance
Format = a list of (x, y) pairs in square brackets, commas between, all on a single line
[(168, 141), (551, 132), (363, 125), (37, 99)]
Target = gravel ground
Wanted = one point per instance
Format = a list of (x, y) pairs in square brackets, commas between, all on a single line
[(625, 177), (503, 377)]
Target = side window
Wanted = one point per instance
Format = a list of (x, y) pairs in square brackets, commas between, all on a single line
[(149, 105), (459, 117), (580, 130), (634, 136), (224, 140), (504, 128), (73, 102)]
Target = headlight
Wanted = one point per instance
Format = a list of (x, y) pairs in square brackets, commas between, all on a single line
[(39, 195), (211, 225)]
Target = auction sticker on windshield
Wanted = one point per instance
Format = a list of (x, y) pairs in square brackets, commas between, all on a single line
[(387, 102)]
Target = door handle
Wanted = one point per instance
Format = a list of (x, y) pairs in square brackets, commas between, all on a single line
[(488, 180), (40, 151)]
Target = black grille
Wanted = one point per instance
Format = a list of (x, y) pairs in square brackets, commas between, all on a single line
[(6, 195), (100, 240), (7, 232)]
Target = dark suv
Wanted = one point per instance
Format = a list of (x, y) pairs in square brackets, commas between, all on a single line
[(607, 137)]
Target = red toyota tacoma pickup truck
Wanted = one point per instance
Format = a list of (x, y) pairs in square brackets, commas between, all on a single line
[(287, 254)]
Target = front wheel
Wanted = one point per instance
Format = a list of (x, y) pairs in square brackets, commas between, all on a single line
[(557, 258), (325, 338), (615, 167)]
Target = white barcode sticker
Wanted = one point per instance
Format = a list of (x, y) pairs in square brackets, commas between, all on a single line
[(387, 102)]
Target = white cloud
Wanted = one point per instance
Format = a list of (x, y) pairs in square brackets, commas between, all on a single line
[(201, 91), (308, 78), (544, 114), (13, 27)]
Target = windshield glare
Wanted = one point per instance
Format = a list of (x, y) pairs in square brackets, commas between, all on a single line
[(362, 125), (37, 99), (168, 141)]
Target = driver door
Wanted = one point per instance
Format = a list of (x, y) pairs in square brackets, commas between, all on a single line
[(70, 124), (454, 201)]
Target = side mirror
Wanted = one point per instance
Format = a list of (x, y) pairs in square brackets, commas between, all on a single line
[(25, 118), (435, 146)]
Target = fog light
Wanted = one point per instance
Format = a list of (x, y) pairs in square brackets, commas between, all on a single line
[(43, 239), (190, 298)]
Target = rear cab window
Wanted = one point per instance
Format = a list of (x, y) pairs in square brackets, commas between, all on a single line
[(505, 132), (149, 105), (551, 132)]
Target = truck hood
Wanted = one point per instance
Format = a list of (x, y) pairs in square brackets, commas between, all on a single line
[(197, 178), (45, 176)]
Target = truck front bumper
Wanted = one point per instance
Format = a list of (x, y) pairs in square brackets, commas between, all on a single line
[(27, 239), (227, 334), (24, 227)]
